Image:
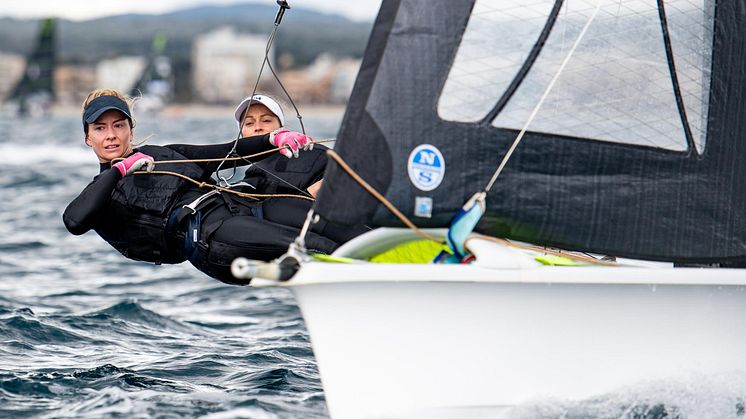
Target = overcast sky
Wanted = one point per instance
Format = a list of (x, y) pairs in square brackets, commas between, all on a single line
[(87, 9)]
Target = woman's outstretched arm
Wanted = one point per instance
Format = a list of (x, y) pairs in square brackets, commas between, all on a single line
[(244, 147), (81, 214)]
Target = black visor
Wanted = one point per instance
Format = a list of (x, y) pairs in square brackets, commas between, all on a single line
[(98, 106)]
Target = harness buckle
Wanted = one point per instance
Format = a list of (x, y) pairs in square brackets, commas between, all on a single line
[(194, 204)]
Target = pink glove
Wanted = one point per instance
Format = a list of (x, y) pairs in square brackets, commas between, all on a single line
[(135, 162), (294, 140)]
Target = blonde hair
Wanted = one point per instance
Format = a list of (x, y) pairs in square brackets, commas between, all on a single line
[(110, 92)]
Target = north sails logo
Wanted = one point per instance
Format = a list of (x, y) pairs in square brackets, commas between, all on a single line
[(426, 167)]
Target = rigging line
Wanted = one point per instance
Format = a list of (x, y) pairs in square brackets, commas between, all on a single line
[(221, 188), (278, 19), (338, 159), (543, 98), (118, 159), (274, 175), (282, 86), (304, 192)]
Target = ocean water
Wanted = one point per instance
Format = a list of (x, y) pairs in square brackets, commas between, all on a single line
[(87, 333)]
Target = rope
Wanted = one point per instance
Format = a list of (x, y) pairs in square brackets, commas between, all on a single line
[(267, 48), (226, 158), (336, 157), (574, 256), (221, 188)]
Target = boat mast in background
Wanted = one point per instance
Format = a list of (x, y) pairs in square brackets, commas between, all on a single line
[(34, 93), (155, 86)]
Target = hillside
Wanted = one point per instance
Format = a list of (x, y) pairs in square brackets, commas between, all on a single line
[(92, 40)]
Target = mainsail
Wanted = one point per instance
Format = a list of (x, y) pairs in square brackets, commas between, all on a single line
[(636, 152), (35, 91)]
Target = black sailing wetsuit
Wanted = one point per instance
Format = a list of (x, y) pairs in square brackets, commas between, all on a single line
[(136, 214)]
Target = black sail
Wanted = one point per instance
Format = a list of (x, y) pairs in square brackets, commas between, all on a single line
[(156, 80), (37, 83), (637, 152)]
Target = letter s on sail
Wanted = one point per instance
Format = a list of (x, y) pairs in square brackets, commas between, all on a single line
[(426, 167)]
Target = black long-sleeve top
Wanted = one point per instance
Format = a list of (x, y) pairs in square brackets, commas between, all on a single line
[(89, 209)]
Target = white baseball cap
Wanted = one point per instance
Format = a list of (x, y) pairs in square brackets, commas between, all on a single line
[(267, 101)]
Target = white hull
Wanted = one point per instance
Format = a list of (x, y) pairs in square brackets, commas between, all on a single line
[(423, 340)]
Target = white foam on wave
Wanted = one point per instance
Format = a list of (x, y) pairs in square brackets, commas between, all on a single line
[(17, 154), (702, 396)]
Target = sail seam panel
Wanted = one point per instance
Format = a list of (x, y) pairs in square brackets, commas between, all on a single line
[(675, 80), (527, 64)]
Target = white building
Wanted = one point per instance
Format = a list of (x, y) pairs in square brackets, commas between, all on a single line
[(119, 73), (225, 65), (11, 71), (343, 80)]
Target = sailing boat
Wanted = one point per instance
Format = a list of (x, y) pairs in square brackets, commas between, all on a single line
[(636, 153), (156, 82), (34, 93)]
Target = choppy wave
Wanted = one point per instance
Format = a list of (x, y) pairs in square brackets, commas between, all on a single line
[(718, 396), (86, 333)]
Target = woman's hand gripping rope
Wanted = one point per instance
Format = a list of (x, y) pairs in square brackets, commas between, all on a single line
[(135, 162), (290, 142)]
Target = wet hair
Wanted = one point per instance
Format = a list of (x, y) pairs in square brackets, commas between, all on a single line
[(109, 92)]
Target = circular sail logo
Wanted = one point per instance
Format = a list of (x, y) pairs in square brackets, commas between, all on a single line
[(426, 167)]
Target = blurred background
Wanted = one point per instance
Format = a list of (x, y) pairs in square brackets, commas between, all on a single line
[(179, 55)]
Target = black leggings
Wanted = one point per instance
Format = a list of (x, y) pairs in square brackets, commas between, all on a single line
[(226, 235), (292, 212)]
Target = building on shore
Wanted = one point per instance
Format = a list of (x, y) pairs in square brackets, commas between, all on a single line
[(11, 71), (73, 82), (119, 73), (328, 80), (225, 65)]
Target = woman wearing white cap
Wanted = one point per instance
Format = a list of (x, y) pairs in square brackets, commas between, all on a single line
[(163, 218), (261, 114)]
